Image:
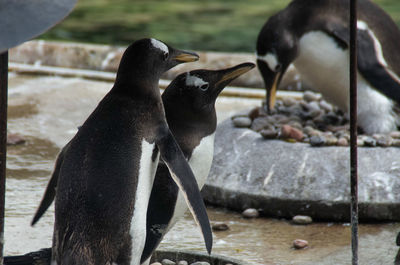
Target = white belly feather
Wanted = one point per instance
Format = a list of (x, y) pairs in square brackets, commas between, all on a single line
[(147, 170), (200, 163), (325, 67)]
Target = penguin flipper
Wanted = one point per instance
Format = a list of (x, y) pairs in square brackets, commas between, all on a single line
[(373, 69), (369, 64), (183, 176), (50, 192)]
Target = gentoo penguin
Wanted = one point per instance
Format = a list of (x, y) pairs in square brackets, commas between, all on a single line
[(314, 35), (189, 103), (106, 173)]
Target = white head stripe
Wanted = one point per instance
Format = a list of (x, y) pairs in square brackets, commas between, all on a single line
[(192, 80), (159, 45), (270, 59)]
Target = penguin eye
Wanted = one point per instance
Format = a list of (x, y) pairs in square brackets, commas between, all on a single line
[(204, 87), (166, 56), (278, 67)]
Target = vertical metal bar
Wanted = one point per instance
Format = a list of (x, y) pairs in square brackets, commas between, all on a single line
[(3, 142), (353, 132)]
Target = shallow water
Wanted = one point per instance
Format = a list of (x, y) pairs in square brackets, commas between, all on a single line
[(47, 111)]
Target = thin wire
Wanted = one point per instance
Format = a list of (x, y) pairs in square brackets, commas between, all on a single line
[(353, 132), (3, 142)]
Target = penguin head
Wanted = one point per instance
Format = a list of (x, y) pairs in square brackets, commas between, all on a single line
[(148, 59), (199, 89), (276, 50)]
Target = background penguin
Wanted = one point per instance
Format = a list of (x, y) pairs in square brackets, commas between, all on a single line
[(189, 103), (106, 172), (314, 36)]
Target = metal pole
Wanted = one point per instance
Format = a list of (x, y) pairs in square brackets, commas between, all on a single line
[(3, 142), (353, 132)]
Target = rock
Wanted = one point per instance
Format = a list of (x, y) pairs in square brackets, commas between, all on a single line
[(310, 123), (269, 133), (300, 243), (369, 141), (325, 106), (15, 139), (396, 143), (360, 141), (295, 124), (311, 96), (167, 262), (279, 178), (260, 123), (331, 140), (302, 219), (257, 112), (395, 134), (241, 122), (183, 262), (250, 213), (281, 119), (288, 101), (314, 106), (314, 113), (332, 119), (220, 226), (342, 142), (383, 140), (308, 129), (315, 132), (156, 263), (316, 140), (289, 132), (200, 263)]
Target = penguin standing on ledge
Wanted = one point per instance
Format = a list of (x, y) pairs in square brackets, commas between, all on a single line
[(189, 103), (105, 174), (314, 35)]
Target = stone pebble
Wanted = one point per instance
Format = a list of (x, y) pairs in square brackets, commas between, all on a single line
[(200, 263), (220, 226), (300, 243), (168, 262), (250, 213), (302, 219), (310, 120), (289, 132), (183, 262), (242, 122)]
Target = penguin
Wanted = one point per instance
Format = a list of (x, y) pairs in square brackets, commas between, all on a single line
[(314, 35), (189, 103), (104, 175)]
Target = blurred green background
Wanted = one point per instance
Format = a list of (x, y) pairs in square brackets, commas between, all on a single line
[(204, 25)]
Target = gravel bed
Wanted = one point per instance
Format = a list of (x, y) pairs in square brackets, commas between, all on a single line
[(309, 120)]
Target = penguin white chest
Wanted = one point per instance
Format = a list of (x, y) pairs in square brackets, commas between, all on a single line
[(147, 170), (200, 163), (325, 66)]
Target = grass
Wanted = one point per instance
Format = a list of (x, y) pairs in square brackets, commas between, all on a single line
[(217, 25)]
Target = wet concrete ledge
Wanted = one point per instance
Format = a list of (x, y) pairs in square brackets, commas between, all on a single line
[(106, 58), (286, 179)]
